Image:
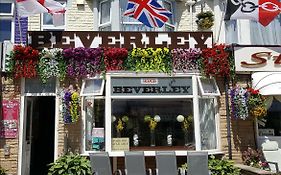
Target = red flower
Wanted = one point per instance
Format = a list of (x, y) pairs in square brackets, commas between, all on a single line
[(114, 58)]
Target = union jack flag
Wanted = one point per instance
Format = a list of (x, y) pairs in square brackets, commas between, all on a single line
[(149, 12)]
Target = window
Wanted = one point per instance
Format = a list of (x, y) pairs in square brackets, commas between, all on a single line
[(91, 87), (120, 22), (138, 129), (105, 15), (34, 85), (148, 113), (208, 86), (94, 113), (207, 118), (6, 20), (48, 23), (269, 35)]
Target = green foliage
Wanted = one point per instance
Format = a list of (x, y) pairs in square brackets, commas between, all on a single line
[(222, 167), (158, 60), (205, 20), (72, 164), (2, 171)]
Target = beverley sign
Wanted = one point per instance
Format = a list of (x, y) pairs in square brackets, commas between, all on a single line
[(257, 58), (94, 39)]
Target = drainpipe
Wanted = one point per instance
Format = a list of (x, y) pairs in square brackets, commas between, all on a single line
[(190, 3), (228, 118)]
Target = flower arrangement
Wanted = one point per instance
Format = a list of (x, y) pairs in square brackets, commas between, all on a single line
[(149, 59), (51, 64), (114, 58), (239, 106), (83, 62), (185, 59), (23, 61), (186, 121), (152, 121), (70, 105), (205, 20), (214, 61), (121, 122), (256, 103), (254, 158)]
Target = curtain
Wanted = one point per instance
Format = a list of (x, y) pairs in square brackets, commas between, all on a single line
[(207, 124), (270, 34)]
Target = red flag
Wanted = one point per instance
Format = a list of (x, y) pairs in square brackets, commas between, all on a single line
[(268, 10)]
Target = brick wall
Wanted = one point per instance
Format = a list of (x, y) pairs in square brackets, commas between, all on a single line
[(11, 90)]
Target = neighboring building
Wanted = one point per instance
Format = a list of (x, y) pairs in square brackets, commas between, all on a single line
[(42, 135)]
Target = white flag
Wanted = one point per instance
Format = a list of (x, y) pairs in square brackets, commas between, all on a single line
[(29, 7)]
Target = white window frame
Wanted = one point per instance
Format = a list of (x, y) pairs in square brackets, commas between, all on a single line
[(46, 27), (9, 16), (93, 93), (107, 24), (173, 16), (195, 98), (213, 83)]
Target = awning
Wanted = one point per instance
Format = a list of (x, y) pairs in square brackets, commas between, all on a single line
[(268, 83)]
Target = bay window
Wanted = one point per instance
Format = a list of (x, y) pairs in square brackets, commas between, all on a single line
[(149, 112)]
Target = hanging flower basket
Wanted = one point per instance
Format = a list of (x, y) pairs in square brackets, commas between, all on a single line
[(158, 60), (83, 62), (185, 60), (239, 106), (23, 62), (215, 61), (205, 20), (114, 58), (256, 103), (51, 64), (70, 106)]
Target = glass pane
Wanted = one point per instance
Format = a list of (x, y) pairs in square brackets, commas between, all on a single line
[(106, 28), (136, 27), (207, 124), (6, 8), (48, 19), (5, 30), (36, 86), (144, 119), (271, 124), (95, 110), (209, 86), (105, 12), (93, 86), (168, 6)]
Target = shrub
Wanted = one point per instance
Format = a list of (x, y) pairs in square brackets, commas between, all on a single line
[(71, 164), (222, 167), (254, 158)]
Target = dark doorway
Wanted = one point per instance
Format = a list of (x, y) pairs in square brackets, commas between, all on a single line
[(43, 131)]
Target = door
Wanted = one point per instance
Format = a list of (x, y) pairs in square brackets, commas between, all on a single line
[(38, 143), (27, 135)]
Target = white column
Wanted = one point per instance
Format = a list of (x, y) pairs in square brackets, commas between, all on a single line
[(196, 113), (190, 3)]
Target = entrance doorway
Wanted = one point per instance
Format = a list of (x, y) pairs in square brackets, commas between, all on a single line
[(39, 132)]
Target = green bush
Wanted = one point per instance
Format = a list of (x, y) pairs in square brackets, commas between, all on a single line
[(222, 167), (70, 164), (2, 171)]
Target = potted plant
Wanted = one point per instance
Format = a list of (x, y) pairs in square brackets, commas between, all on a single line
[(70, 164), (205, 20), (152, 123), (185, 124)]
